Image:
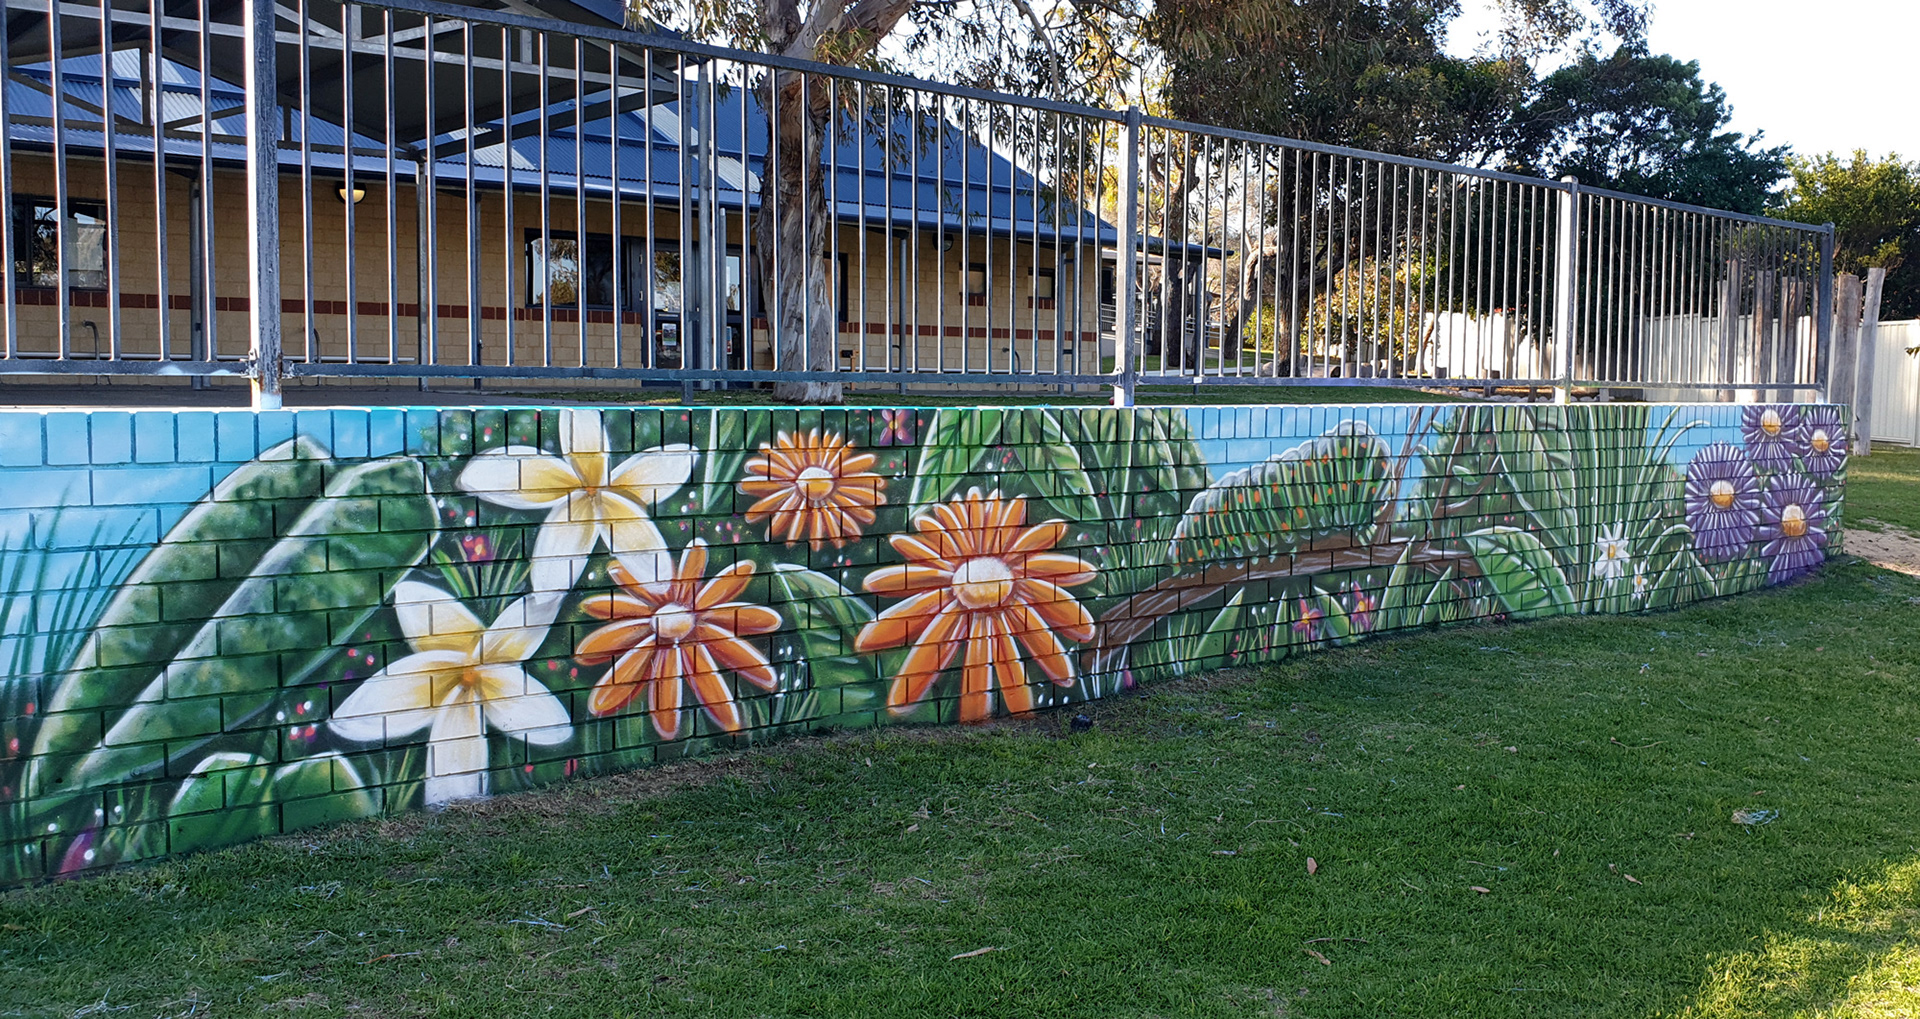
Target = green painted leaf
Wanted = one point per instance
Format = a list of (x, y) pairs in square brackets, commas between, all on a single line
[(233, 797), (951, 449), (823, 619), (1523, 575), (237, 522), (311, 592), (1053, 467), (1211, 651), (1335, 484)]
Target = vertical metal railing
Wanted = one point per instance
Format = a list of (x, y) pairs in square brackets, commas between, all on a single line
[(585, 202)]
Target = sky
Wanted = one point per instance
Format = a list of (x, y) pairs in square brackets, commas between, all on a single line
[(1836, 75)]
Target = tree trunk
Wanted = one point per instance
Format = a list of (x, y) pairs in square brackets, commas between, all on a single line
[(790, 239)]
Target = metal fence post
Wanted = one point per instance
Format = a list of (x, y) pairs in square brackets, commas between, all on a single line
[(263, 201), (1127, 326), (1566, 272), (1823, 317)]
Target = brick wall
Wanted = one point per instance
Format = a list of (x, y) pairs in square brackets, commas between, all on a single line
[(226, 625), (918, 281)]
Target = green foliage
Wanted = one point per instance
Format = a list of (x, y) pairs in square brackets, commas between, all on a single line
[(1646, 124), (814, 653), (233, 797), (1336, 485), (1526, 581), (256, 649), (1874, 205)]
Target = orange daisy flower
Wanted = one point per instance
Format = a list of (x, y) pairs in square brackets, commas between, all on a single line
[(977, 576), (664, 636), (813, 486)]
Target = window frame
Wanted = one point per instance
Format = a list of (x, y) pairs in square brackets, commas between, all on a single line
[(22, 234)]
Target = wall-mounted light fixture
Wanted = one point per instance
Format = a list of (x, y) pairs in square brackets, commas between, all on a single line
[(358, 194)]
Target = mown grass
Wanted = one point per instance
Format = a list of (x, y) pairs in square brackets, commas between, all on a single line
[(1884, 488), (1584, 772)]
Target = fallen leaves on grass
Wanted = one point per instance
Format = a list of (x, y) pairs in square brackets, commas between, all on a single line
[(1313, 866), (972, 954), (1633, 879), (1482, 889), (1323, 960)]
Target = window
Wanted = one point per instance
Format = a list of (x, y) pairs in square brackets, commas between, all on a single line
[(974, 286), (555, 268), (976, 280), (1043, 287), (1108, 288), (36, 244)]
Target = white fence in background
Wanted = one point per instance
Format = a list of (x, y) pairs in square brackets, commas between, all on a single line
[(1896, 384)]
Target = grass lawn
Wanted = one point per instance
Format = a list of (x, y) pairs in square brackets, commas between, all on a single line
[(1885, 487), (1502, 821)]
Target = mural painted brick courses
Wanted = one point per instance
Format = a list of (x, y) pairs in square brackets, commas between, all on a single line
[(227, 625)]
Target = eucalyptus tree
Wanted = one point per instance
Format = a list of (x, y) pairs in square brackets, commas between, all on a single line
[(1087, 49)]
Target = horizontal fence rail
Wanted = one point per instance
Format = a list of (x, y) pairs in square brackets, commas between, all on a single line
[(436, 191)]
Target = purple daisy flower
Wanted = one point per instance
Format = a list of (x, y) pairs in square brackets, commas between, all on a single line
[(1793, 524), (1826, 438), (1723, 501), (1774, 434)]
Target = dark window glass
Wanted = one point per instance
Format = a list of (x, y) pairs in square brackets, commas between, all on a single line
[(36, 244)]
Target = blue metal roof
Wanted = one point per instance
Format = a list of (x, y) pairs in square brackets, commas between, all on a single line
[(919, 169)]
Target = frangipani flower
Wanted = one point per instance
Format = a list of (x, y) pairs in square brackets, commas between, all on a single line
[(590, 502), (1610, 553), (1793, 525), (977, 576), (463, 678), (1722, 500), (815, 487), (1826, 441), (1773, 434), (682, 632)]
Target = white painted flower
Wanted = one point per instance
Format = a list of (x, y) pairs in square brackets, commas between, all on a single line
[(588, 502), (1641, 583), (462, 678), (1610, 558)]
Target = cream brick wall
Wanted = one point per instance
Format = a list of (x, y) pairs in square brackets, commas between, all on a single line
[(915, 311)]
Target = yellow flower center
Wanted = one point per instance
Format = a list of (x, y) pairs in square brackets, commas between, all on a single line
[(982, 583), (673, 622), (1793, 521), (1821, 441), (815, 483), (1721, 493), (470, 677), (1770, 422)]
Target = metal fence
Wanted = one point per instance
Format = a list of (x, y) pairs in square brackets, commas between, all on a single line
[(436, 191)]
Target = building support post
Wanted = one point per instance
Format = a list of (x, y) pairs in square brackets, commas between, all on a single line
[(1127, 324), (1565, 283), (263, 202)]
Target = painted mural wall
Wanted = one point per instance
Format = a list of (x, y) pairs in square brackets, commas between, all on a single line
[(220, 626)]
